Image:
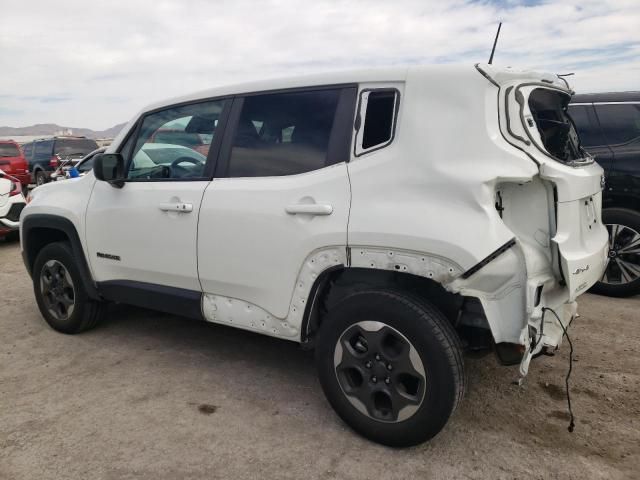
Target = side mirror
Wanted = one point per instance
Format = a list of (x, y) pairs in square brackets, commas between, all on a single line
[(109, 167)]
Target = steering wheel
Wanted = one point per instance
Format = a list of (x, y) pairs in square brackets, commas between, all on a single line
[(181, 171), (180, 160)]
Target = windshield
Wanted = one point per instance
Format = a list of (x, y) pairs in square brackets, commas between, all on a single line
[(9, 150), (557, 129), (76, 147)]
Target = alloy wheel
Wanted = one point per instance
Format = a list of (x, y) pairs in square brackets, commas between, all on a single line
[(57, 289), (623, 263), (379, 371)]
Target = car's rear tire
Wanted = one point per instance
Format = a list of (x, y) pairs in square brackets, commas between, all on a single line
[(622, 275), (60, 293), (40, 178), (390, 365)]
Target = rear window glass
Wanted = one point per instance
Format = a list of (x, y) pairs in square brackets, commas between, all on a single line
[(9, 150), (74, 146), (620, 123), (557, 132)]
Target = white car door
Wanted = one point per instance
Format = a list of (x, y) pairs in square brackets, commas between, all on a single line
[(280, 193), (144, 233)]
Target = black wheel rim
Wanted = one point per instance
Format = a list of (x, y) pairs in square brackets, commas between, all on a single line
[(380, 371), (623, 263), (58, 292)]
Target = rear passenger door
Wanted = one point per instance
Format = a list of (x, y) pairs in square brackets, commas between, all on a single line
[(281, 192)]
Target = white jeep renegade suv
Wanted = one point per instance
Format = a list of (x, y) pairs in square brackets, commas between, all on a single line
[(385, 217)]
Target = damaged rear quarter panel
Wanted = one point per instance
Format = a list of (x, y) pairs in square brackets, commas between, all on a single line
[(432, 191)]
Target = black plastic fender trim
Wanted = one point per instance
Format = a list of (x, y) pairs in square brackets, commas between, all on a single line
[(177, 301), (64, 225)]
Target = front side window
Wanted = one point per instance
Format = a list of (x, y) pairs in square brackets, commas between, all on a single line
[(87, 163), (620, 122), (28, 150), (283, 134), (174, 143)]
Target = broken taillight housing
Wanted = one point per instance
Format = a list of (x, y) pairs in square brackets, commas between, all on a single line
[(16, 188)]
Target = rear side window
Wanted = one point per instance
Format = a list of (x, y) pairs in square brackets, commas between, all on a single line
[(377, 117), (587, 126), (43, 150), (283, 134), (9, 150), (619, 122)]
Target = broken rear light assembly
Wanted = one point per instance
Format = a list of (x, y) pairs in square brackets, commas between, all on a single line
[(16, 188)]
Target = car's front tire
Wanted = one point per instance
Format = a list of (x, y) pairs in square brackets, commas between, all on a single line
[(391, 366), (60, 293), (622, 274)]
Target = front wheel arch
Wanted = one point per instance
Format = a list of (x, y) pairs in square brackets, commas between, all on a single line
[(40, 230)]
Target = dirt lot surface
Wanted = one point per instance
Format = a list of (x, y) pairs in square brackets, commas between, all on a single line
[(153, 396)]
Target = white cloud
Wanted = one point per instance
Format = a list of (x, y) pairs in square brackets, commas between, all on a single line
[(94, 64)]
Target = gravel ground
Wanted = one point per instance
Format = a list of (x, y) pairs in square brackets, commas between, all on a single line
[(154, 396)]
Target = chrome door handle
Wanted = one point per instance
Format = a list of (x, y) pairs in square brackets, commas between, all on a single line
[(309, 209), (176, 207)]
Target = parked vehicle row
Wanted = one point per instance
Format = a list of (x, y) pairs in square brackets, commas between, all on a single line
[(13, 162), (609, 128), (76, 168), (46, 155), (385, 218)]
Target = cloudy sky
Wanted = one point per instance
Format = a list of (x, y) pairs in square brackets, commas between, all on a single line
[(94, 64)]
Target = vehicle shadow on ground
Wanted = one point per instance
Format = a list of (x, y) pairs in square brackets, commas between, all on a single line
[(199, 338)]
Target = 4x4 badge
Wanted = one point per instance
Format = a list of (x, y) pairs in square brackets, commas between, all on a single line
[(108, 256)]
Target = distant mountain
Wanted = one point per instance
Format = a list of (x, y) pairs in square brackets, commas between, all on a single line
[(46, 129)]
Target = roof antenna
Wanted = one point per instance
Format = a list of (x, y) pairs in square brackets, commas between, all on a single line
[(495, 42)]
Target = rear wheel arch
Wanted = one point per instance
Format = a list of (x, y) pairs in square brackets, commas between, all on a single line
[(617, 202), (334, 284), (39, 230)]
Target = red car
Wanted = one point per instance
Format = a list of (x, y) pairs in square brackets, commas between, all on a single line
[(13, 162)]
